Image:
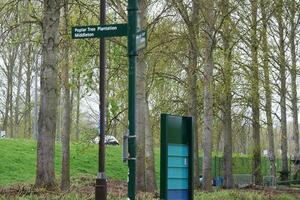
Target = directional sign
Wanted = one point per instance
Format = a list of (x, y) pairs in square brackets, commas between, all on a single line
[(141, 39), (98, 31)]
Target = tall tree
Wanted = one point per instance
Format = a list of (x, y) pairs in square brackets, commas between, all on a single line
[(18, 94), (9, 63), (45, 171), (255, 95), (28, 80), (192, 21), (193, 37), (209, 45), (292, 5), (264, 5), (140, 107), (66, 129), (227, 102), (283, 91)]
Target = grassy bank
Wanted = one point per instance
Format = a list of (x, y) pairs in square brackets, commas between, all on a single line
[(18, 161), (18, 158)]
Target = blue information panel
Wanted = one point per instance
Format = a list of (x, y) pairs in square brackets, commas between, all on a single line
[(176, 158), (178, 171)]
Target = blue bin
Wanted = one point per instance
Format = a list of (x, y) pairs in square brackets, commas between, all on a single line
[(218, 181)]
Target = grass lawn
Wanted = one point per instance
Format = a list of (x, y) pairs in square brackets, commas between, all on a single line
[(18, 158), (17, 173)]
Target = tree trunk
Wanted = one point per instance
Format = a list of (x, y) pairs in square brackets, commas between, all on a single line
[(255, 96), (77, 131), (45, 173), (35, 125), (140, 108), (140, 124), (193, 30), (282, 71), (19, 82), (28, 107), (59, 113), (149, 154), (293, 72), (8, 116), (27, 115), (208, 12), (268, 93), (6, 113), (66, 129), (227, 121), (11, 118)]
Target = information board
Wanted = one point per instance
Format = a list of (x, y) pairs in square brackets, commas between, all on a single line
[(176, 178)]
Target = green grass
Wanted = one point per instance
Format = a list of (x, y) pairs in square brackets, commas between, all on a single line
[(18, 158), (18, 161)]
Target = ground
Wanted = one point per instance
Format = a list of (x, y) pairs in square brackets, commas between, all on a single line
[(83, 188)]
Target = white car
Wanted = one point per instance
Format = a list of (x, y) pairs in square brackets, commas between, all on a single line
[(2, 134), (109, 140)]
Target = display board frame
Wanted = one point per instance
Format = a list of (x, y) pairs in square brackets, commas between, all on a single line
[(177, 135)]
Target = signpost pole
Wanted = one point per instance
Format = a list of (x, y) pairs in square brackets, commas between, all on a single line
[(101, 182), (132, 56), (136, 41)]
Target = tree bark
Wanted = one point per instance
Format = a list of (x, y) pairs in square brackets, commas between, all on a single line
[(19, 82), (45, 172), (208, 12), (227, 120), (255, 96), (35, 124), (140, 108), (28, 107), (7, 125), (293, 72), (283, 91), (193, 30), (149, 154), (140, 126), (78, 97), (66, 129), (29, 63)]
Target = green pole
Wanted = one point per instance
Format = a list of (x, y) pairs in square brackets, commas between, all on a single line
[(132, 56)]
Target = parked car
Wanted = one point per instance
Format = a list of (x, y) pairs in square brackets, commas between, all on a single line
[(2, 134), (108, 140)]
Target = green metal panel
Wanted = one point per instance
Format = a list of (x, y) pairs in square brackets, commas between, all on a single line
[(176, 157)]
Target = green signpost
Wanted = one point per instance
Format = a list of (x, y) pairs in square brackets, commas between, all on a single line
[(176, 164), (98, 31), (136, 41)]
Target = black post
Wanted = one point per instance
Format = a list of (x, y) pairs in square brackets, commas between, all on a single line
[(132, 55), (101, 182)]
